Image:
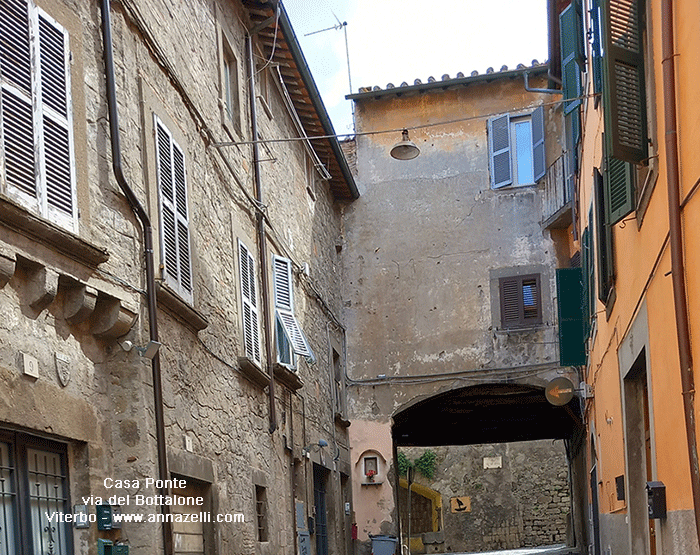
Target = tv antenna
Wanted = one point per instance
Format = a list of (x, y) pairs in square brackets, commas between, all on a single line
[(344, 26)]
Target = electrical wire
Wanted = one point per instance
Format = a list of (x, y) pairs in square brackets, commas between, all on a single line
[(393, 130)]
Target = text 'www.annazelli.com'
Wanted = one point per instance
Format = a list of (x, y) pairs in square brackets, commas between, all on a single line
[(82, 518)]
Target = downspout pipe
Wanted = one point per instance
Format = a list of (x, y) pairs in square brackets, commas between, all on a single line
[(141, 214), (261, 232), (677, 258)]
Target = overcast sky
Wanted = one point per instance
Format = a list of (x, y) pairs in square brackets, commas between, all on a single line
[(391, 41)]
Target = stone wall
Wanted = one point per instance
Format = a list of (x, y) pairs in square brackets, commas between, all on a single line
[(217, 419), (516, 494)]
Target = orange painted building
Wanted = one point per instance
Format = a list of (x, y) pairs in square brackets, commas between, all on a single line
[(626, 67)]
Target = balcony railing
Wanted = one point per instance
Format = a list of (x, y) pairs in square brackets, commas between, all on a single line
[(556, 200)]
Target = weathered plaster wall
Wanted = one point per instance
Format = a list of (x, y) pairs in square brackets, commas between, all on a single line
[(424, 248)]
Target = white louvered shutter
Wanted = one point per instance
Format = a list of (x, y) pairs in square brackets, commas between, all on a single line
[(35, 111), (285, 307), (499, 151), (249, 302), (55, 139), (175, 235)]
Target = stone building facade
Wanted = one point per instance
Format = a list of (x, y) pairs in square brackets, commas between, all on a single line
[(450, 294), (243, 403)]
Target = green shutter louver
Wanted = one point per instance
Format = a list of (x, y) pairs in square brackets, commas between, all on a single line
[(572, 329), (619, 190), (571, 56), (604, 240), (624, 96)]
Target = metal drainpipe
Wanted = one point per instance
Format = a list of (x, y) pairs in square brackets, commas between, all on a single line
[(148, 255), (262, 236), (677, 261)]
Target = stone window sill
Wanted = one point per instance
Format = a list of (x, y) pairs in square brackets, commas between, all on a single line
[(287, 376), (18, 219), (180, 309), (372, 483), (253, 372)]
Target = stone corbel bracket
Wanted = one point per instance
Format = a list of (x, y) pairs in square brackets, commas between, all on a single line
[(7, 269), (108, 316), (111, 318)]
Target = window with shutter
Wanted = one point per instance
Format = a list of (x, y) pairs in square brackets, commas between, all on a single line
[(619, 189), (623, 67), (174, 228), (284, 308), (517, 149), (249, 304), (604, 241), (596, 46), (521, 303), (36, 138)]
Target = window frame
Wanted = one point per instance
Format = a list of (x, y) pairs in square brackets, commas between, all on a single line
[(43, 116), (231, 116), (506, 304), (262, 514), (502, 145), (19, 444)]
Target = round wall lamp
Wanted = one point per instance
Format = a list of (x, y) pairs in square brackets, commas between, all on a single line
[(404, 149)]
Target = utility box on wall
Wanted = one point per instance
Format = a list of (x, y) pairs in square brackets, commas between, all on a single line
[(656, 498)]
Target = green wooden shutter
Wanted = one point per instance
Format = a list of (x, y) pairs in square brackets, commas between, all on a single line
[(572, 329), (596, 50), (499, 151), (624, 97), (619, 189), (571, 48), (604, 240)]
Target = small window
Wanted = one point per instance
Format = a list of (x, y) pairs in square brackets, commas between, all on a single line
[(516, 149), (33, 472), (521, 303), (230, 86), (261, 513)]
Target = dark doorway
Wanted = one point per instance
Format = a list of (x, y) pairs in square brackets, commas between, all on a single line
[(320, 507)]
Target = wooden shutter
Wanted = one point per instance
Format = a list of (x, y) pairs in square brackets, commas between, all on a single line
[(284, 307), (538, 147), (18, 140), (571, 56), (585, 280), (619, 189), (572, 328), (249, 302), (624, 96), (283, 283), (175, 236), (596, 50), (499, 151), (604, 240), (55, 117), (521, 302)]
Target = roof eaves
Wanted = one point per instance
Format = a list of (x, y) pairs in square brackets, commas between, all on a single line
[(447, 83), (310, 84)]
